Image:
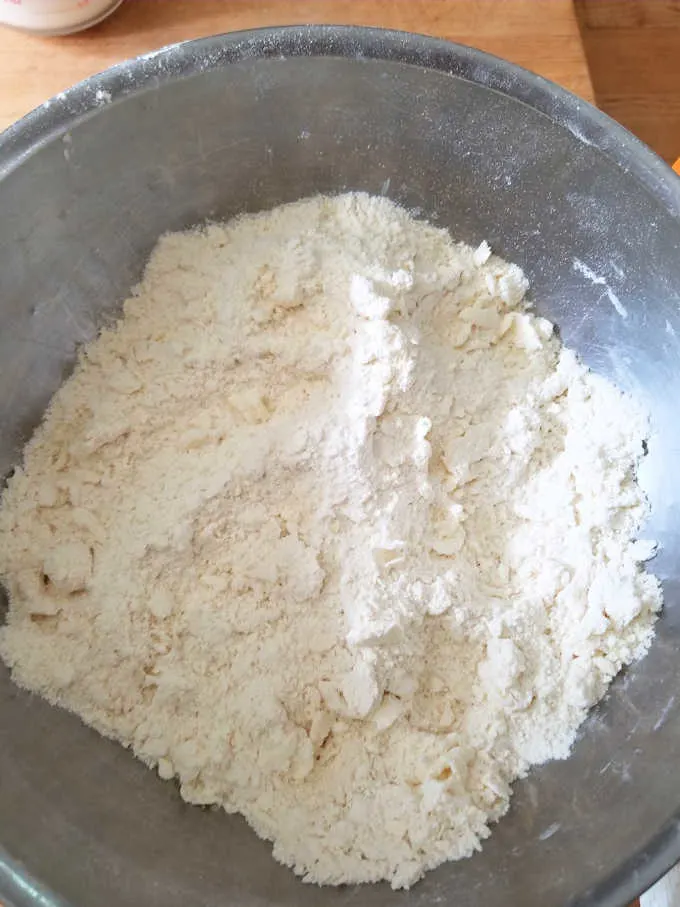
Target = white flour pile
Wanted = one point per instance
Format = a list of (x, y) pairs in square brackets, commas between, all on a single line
[(334, 532)]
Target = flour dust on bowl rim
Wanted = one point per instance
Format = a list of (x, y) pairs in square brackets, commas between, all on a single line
[(244, 122)]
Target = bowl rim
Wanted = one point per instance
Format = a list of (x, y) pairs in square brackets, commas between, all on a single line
[(88, 98)]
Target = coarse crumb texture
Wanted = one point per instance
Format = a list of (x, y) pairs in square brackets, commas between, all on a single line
[(332, 530)]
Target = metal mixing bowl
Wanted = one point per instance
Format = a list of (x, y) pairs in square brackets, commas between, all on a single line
[(244, 122)]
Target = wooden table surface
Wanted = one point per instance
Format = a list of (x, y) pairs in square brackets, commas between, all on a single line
[(632, 50), (541, 35)]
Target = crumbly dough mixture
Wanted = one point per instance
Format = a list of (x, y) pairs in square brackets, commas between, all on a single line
[(331, 529)]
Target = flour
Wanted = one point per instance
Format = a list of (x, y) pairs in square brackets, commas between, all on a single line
[(331, 529)]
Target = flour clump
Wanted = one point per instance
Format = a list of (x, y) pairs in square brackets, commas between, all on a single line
[(330, 528)]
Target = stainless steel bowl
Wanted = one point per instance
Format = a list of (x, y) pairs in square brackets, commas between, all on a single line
[(244, 122)]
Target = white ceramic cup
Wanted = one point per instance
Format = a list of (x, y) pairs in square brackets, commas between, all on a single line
[(55, 17)]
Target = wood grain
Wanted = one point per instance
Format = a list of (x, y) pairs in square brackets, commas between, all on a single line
[(541, 35), (612, 14), (633, 50)]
